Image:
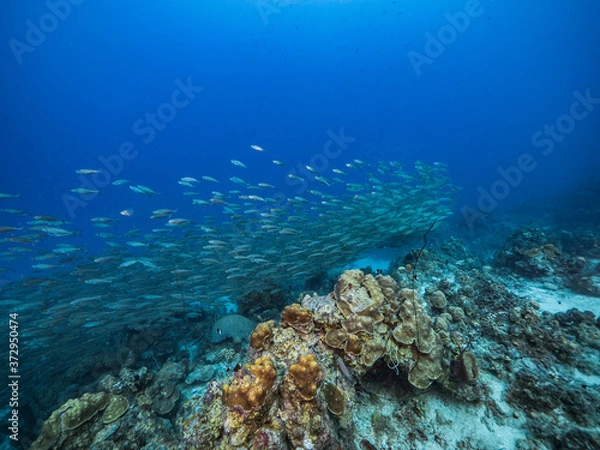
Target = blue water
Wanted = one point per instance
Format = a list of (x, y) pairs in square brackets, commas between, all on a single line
[(281, 75), (505, 93)]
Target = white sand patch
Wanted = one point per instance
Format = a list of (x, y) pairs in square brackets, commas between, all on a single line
[(555, 300), (451, 420), (376, 259), (461, 421)]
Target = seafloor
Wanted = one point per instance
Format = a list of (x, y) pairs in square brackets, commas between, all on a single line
[(487, 343)]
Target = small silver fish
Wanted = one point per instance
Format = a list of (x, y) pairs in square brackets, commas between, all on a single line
[(237, 163), (84, 191), (7, 196), (120, 182)]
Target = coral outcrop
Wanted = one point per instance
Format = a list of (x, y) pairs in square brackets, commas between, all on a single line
[(76, 412), (299, 388)]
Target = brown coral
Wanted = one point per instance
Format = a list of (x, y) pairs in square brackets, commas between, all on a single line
[(373, 349), (297, 317), (334, 398), (249, 392), (353, 345), (415, 326), (336, 338), (260, 338), (465, 368), (306, 376), (438, 300), (428, 367)]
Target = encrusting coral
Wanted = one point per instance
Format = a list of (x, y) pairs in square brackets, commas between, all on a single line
[(76, 412), (299, 389)]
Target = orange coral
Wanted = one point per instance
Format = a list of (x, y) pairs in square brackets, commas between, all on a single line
[(297, 317), (250, 392), (306, 376), (260, 338)]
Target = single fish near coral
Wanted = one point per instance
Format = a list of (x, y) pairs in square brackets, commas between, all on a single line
[(87, 171)]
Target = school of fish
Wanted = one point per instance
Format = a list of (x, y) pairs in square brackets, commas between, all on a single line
[(250, 238)]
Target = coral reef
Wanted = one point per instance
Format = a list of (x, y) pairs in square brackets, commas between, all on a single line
[(120, 413), (380, 362), (529, 252), (300, 391), (73, 414)]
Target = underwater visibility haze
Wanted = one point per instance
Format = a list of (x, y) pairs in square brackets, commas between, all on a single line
[(277, 224)]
